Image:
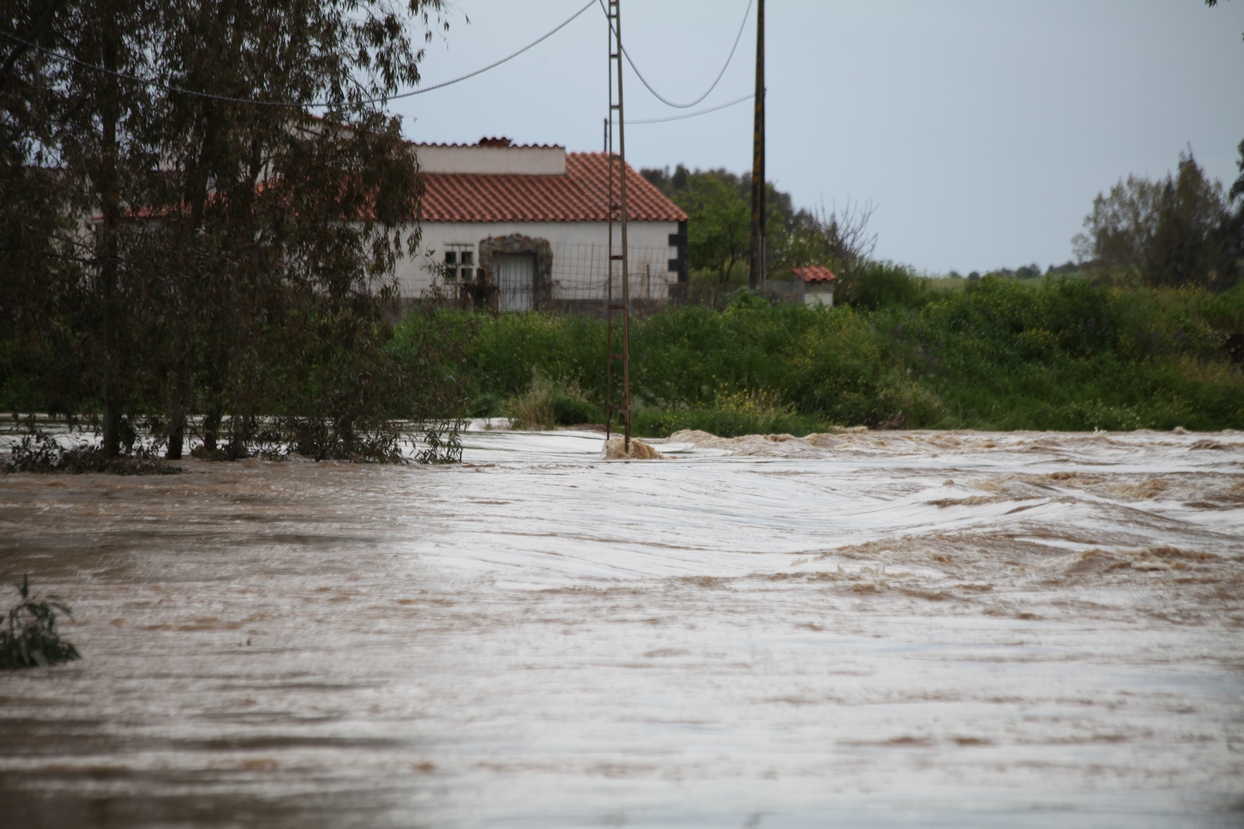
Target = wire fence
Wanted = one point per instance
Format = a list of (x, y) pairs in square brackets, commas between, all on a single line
[(582, 272), (575, 277)]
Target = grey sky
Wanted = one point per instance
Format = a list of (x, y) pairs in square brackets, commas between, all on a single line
[(980, 130)]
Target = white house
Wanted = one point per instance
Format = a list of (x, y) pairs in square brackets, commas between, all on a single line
[(533, 221)]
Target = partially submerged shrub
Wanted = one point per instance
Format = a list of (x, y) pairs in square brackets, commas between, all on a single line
[(30, 639), (730, 415), (441, 444), (41, 452), (547, 403)]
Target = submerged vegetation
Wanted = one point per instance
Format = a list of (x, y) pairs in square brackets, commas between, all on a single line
[(30, 638), (994, 353), (39, 451)]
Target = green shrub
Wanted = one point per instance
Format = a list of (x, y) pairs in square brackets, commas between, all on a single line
[(510, 347), (835, 368)]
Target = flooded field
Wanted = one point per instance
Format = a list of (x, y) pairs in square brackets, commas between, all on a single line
[(861, 629)]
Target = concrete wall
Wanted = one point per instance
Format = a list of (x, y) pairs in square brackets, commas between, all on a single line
[(580, 256)]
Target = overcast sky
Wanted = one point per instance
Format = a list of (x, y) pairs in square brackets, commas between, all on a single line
[(980, 130)]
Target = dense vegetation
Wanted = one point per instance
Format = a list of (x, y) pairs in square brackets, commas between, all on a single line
[(179, 236), (1067, 354)]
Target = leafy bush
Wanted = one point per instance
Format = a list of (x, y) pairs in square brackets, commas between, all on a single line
[(31, 639)]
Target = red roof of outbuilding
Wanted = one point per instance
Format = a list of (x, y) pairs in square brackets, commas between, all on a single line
[(815, 273), (578, 196)]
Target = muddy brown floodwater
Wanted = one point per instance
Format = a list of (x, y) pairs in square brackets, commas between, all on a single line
[(861, 629)]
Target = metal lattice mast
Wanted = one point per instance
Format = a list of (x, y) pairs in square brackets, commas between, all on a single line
[(617, 312)]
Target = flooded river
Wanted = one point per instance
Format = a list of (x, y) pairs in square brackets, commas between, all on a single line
[(862, 629)]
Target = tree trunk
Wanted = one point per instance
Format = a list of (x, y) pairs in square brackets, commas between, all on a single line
[(111, 204), (215, 401), (177, 416)]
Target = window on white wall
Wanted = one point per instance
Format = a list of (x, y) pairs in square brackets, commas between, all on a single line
[(459, 262)]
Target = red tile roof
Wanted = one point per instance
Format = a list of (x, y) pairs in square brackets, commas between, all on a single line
[(815, 273), (578, 196)]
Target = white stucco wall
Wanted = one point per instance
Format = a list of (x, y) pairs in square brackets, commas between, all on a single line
[(818, 296), (580, 255), (533, 161)]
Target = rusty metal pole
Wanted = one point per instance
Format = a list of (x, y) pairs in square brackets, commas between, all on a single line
[(756, 273), (626, 271), (617, 212)]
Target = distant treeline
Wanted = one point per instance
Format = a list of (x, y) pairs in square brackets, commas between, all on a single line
[(1185, 229), (1032, 271)]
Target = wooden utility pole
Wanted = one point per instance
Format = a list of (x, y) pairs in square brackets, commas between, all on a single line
[(756, 273)]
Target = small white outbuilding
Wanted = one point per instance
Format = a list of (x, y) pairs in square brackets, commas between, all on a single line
[(818, 284)]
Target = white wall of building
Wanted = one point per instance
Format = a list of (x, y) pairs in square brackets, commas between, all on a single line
[(476, 160), (820, 296), (580, 255)]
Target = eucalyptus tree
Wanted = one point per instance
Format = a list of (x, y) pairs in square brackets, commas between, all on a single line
[(240, 248), (282, 216), (76, 127)]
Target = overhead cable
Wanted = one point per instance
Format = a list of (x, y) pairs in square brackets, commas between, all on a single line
[(685, 115), (294, 104), (746, 13), (536, 42)]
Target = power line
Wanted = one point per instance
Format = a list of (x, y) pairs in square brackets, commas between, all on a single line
[(661, 97), (691, 114), (294, 104), (536, 42)]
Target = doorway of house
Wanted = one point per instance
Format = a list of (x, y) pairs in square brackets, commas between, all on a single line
[(516, 280)]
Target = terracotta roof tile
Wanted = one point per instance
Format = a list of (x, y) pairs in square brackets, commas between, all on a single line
[(578, 196), (815, 273)]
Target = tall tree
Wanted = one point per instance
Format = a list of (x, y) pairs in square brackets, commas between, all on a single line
[(91, 128), (716, 201), (237, 164), (839, 239), (33, 213), (1177, 231), (236, 244)]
